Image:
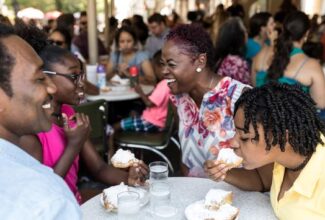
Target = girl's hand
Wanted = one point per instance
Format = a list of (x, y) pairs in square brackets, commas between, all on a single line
[(137, 174), (123, 69), (216, 170), (79, 133)]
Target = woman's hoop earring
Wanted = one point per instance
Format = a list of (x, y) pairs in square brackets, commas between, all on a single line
[(198, 70)]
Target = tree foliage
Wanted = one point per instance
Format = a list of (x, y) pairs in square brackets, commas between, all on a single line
[(50, 5)]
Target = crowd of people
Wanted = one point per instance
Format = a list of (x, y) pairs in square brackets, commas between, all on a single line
[(257, 88)]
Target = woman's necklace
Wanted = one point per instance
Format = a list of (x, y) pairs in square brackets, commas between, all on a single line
[(211, 83), (302, 165)]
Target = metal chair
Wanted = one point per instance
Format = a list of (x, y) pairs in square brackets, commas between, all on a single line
[(154, 142), (97, 113)]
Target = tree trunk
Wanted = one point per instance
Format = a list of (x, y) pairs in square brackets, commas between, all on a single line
[(16, 6), (58, 5)]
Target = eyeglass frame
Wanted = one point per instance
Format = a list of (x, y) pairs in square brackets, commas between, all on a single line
[(75, 78)]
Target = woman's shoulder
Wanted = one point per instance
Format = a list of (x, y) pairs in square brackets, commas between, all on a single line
[(142, 55), (312, 67)]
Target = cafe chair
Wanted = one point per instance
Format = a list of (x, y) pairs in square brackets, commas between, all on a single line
[(97, 113), (153, 142)]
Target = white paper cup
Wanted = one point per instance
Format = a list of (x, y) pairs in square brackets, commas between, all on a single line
[(91, 71)]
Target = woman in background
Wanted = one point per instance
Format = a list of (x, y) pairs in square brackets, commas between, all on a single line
[(291, 65), (260, 25), (230, 51), (128, 55)]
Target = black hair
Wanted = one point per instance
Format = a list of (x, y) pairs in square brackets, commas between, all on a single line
[(37, 39), (128, 30), (113, 22), (66, 21), (156, 17), (156, 57), (284, 111), (126, 22), (52, 54), (7, 61), (83, 13), (66, 34), (314, 50), (193, 40), (257, 21), (231, 39), (295, 27)]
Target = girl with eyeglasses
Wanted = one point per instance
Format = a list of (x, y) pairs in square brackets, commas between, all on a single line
[(68, 140)]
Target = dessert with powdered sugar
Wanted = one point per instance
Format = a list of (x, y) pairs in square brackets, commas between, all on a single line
[(123, 159), (228, 156)]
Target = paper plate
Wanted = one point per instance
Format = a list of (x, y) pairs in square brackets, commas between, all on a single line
[(197, 211)]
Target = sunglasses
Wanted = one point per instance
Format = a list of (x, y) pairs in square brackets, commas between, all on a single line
[(74, 77), (56, 42), (83, 23)]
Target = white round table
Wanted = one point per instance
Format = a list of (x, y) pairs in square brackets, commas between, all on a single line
[(186, 190), (120, 93)]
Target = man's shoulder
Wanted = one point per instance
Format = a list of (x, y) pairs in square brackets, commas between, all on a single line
[(31, 180), (33, 191)]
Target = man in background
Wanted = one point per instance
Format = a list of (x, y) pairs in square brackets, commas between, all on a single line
[(159, 30)]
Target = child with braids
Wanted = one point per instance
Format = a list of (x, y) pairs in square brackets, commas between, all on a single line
[(277, 129)]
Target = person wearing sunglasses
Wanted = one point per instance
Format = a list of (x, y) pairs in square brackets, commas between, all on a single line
[(60, 37), (68, 140)]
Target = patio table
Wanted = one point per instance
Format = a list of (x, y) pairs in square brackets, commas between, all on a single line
[(186, 190), (119, 93)]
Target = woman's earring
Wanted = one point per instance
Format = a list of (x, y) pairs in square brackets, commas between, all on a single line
[(198, 70)]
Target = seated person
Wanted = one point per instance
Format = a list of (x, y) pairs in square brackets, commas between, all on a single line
[(61, 37), (153, 118), (282, 142), (68, 138), (28, 190), (204, 100), (127, 55)]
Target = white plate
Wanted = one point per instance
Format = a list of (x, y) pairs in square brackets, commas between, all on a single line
[(144, 195), (197, 211), (120, 88)]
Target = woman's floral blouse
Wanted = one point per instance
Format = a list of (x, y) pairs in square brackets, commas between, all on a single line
[(203, 131)]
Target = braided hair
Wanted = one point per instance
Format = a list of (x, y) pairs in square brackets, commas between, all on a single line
[(295, 26), (282, 108)]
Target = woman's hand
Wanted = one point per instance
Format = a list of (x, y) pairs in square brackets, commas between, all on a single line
[(79, 133), (123, 69), (137, 174), (138, 88), (216, 170)]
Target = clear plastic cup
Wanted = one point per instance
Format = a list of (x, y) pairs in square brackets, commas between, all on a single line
[(128, 205), (158, 171)]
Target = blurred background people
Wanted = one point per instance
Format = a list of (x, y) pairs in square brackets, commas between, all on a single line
[(230, 51)]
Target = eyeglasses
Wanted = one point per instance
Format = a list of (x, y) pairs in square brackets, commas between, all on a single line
[(56, 42), (74, 77)]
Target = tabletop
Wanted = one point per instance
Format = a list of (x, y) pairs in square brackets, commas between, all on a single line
[(186, 190), (120, 93)]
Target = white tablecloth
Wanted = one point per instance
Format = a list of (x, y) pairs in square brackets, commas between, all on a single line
[(120, 94), (186, 190)]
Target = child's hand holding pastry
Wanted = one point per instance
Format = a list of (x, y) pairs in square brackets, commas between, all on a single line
[(138, 173)]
